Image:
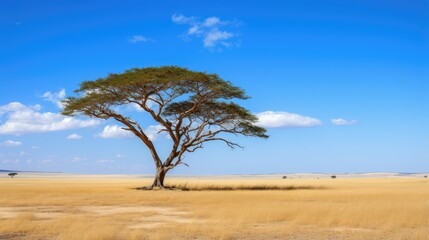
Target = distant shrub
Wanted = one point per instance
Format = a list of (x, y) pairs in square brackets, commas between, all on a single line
[(333, 176), (284, 177), (12, 174), (426, 176)]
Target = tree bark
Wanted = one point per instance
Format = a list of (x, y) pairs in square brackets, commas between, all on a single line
[(159, 178)]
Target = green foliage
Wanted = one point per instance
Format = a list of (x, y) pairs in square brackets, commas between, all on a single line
[(192, 107), (163, 85), (139, 84)]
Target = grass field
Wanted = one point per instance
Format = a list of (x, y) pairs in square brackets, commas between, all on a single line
[(82, 207)]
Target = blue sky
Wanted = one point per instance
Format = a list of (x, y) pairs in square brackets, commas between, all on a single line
[(341, 86)]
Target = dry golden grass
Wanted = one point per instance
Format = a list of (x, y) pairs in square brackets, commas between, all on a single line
[(110, 208)]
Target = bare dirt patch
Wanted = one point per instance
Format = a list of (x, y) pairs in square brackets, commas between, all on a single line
[(38, 211), (158, 215), (110, 210), (155, 221)]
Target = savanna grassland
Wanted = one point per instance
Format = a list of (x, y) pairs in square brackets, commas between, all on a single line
[(87, 207)]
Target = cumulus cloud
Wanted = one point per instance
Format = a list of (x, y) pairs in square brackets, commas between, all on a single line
[(213, 38), (211, 30), (21, 119), (55, 98), (138, 38), (10, 143), (180, 19), (16, 106), (343, 122), (153, 131), (270, 119), (74, 136), (136, 107), (116, 131)]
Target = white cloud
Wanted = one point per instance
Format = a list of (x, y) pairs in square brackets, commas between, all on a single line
[(138, 38), (120, 156), (15, 107), (209, 30), (343, 122), (22, 119), (55, 97), (211, 21), (215, 36), (180, 19), (116, 131), (152, 132), (74, 136), (10, 143), (271, 119), (136, 107)]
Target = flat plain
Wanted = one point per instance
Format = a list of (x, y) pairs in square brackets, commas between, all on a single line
[(59, 206)]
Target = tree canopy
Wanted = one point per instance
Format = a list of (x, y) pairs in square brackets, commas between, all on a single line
[(191, 107), (12, 174)]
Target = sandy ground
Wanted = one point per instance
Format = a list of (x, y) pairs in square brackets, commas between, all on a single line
[(48, 206)]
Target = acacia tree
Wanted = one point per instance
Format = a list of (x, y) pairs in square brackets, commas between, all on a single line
[(193, 108), (11, 175)]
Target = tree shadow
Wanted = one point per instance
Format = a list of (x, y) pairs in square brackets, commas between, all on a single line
[(185, 187)]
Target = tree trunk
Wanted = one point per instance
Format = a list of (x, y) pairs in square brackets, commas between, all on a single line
[(159, 178)]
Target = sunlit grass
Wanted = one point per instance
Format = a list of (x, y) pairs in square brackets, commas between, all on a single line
[(216, 208)]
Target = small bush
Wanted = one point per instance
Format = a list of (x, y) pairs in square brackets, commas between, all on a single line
[(333, 176), (426, 176), (12, 174), (284, 177)]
